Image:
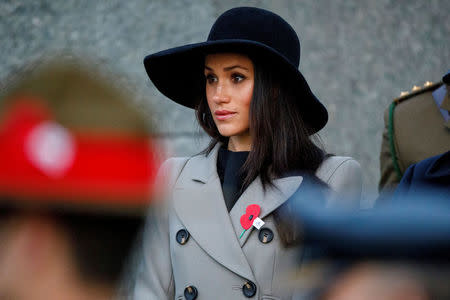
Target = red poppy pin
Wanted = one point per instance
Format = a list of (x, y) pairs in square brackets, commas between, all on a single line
[(251, 218)]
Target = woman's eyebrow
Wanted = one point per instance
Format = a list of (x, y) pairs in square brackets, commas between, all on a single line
[(233, 67), (228, 68)]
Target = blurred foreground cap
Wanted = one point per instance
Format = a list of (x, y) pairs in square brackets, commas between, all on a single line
[(417, 228), (70, 139)]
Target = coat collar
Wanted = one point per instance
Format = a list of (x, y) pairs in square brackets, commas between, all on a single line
[(268, 200), (204, 166), (199, 203)]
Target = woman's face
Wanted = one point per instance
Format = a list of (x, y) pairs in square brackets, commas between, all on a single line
[(229, 91)]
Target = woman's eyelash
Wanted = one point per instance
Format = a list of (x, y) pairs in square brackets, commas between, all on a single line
[(238, 77), (209, 77)]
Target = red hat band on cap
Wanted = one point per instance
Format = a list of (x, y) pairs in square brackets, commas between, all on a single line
[(40, 158)]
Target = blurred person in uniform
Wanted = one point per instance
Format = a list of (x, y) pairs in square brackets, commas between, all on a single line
[(396, 251), (77, 173), (373, 280), (417, 126)]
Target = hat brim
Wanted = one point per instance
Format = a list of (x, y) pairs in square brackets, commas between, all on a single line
[(178, 74)]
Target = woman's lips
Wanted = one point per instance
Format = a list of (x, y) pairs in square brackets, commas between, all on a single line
[(223, 114)]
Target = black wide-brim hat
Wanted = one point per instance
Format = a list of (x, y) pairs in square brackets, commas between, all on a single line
[(178, 72)]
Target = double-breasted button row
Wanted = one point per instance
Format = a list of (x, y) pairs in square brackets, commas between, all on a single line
[(190, 292), (265, 236), (249, 289), (182, 236)]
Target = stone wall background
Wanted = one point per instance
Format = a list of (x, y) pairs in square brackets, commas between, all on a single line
[(357, 55)]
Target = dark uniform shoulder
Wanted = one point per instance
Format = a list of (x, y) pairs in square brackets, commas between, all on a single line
[(417, 90)]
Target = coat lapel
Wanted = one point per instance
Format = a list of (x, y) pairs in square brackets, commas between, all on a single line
[(199, 203), (268, 200)]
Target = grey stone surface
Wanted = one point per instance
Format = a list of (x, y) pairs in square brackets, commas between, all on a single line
[(356, 55)]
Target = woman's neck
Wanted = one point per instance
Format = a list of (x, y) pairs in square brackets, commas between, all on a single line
[(239, 143)]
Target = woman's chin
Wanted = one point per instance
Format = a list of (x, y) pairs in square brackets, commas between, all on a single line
[(226, 132)]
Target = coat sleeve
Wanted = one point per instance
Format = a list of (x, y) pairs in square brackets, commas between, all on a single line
[(345, 181), (154, 276)]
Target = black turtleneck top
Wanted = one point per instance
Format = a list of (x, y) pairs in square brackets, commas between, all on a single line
[(229, 164)]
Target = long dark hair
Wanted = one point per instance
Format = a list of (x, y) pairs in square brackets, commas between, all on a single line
[(281, 141)]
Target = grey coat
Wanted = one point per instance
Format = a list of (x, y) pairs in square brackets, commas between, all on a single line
[(214, 260)]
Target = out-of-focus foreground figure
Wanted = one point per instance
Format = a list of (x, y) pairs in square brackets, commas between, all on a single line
[(76, 175), (396, 251), (388, 281)]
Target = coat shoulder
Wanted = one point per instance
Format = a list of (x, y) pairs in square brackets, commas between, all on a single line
[(170, 170), (343, 175), (171, 164), (337, 166)]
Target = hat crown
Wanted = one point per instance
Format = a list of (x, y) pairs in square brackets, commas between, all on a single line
[(260, 26)]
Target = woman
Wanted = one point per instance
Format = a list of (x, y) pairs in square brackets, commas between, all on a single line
[(249, 96)]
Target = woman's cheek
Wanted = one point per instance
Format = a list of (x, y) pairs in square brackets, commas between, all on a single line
[(249, 93)]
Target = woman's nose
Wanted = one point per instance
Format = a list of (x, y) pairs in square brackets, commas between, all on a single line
[(221, 93)]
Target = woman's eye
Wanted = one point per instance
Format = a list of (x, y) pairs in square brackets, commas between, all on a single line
[(237, 78), (210, 78)]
